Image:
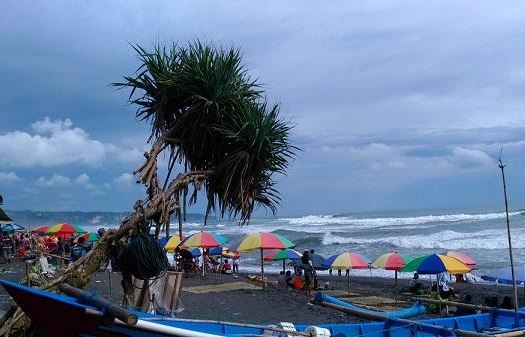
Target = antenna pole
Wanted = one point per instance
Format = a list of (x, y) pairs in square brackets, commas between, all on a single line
[(502, 167)]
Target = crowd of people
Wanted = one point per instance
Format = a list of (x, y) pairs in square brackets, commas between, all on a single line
[(30, 245)]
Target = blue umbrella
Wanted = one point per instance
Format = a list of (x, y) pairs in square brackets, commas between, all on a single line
[(164, 240), (216, 251), (196, 252), (504, 275), (12, 227)]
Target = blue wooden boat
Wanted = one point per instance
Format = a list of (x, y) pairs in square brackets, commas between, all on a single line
[(415, 310), (60, 315)]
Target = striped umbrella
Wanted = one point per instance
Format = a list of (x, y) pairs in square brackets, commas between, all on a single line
[(390, 261), (9, 228), (435, 264), (88, 237), (204, 239), (346, 260), (172, 243), (282, 255), (261, 241), (463, 258), (65, 230)]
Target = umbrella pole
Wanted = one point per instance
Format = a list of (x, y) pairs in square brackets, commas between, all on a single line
[(262, 271), (284, 266), (397, 288), (348, 282)]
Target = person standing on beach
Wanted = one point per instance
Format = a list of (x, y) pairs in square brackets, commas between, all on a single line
[(7, 245), (78, 250), (308, 273)]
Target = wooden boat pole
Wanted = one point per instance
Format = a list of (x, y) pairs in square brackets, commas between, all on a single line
[(376, 317), (464, 305), (98, 302), (242, 325)]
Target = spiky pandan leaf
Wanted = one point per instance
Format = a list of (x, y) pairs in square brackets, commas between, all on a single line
[(217, 119)]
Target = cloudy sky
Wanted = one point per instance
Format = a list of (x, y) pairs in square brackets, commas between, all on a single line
[(397, 104)]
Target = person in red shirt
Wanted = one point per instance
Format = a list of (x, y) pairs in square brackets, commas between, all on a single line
[(226, 267)]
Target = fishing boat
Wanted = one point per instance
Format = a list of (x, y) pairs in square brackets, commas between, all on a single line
[(415, 310), (84, 314)]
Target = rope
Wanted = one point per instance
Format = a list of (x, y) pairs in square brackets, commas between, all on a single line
[(145, 258)]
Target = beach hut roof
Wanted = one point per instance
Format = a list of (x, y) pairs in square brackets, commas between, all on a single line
[(3, 217)]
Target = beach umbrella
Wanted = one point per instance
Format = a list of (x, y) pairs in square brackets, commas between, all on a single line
[(204, 239), (171, 243), (88, 237), (262, 241), (40, 230), (9, 228), (163, 240), (65, 230), (390, 261), (463, 258), (346, 260), (435, 264), (195, 252), (282, 255)]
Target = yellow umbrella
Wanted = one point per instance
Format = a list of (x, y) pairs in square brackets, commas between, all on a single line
[(172, 243)]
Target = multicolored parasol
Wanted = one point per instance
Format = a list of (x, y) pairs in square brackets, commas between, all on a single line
[(463, 258), (65, 230), (9, 228), (41, 230), (172, 243), (346, 260), (390, 261), (262, 241), (435, 264), (282, 255), (204, 239), (88, 237)]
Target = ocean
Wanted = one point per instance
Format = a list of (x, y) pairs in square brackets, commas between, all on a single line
[(482, 235)]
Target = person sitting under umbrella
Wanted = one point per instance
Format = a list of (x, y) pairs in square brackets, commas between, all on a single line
[(414, 285), (226, 267)]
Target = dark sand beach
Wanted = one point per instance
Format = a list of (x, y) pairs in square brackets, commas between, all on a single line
[(223, 297)]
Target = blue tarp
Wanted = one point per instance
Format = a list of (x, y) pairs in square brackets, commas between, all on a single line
[(504, 275)]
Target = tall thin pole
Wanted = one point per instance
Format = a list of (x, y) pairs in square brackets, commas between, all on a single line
[(262, 271), (502, 167)]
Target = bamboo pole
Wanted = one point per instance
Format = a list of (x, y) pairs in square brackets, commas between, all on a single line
[(397, 288), (502, 167)]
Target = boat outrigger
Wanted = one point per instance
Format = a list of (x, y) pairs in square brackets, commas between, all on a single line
[(88, 315)]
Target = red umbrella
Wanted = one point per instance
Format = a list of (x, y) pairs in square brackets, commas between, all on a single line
[(41, 230)]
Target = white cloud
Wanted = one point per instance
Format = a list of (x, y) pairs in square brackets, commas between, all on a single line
[(467, 159), (83, 179), (9, 178), (56, 180), (125, 179), (56, 143)]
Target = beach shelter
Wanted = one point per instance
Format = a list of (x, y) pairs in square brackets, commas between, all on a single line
[(4, 218), (390, 261), (463, 257), (262, 241), (346, 260), (171, 243), (282, 255), (40, 230), (64, 230)]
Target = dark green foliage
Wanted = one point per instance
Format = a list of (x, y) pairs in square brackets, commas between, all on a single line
[(216, 118)]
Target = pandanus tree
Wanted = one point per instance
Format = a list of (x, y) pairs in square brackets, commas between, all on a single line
[(222, 138)]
